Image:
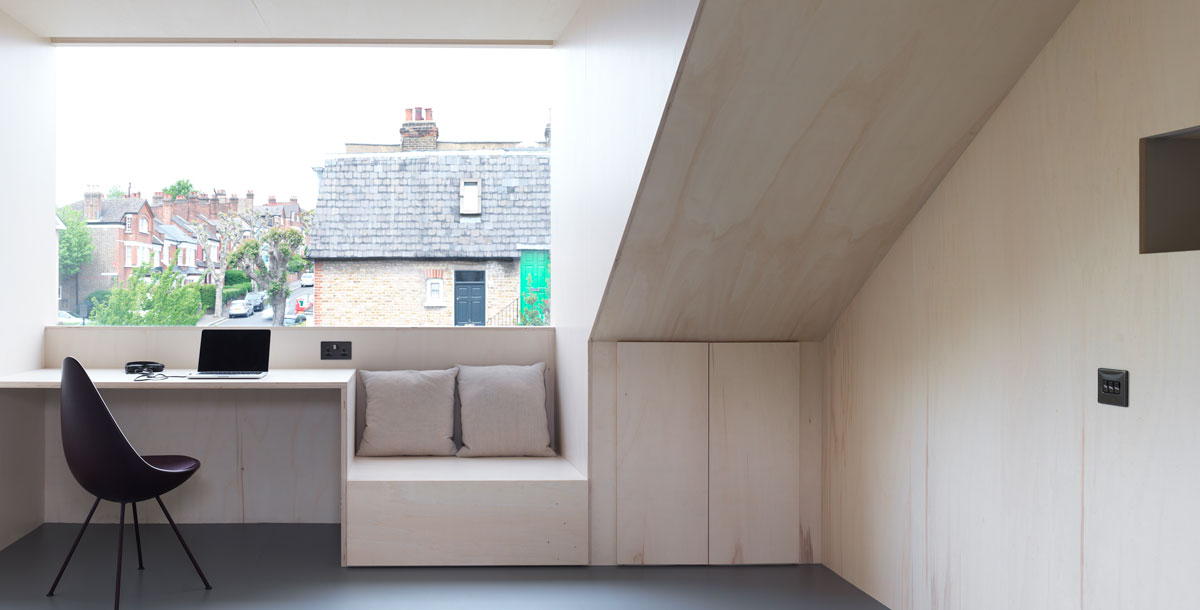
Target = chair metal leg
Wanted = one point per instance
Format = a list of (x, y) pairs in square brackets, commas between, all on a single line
[(120, 549), (137, 535), (185, 546), (73, 546)]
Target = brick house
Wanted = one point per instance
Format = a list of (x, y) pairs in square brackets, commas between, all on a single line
[(129, 231), (429, 233)]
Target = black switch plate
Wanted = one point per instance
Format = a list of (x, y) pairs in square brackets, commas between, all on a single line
[(1112, 387), (335, 350)]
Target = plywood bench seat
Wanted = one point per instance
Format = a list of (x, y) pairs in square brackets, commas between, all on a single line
[(462, 469), (441, 511)]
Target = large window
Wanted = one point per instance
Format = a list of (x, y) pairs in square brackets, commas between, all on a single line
[(332, 186)]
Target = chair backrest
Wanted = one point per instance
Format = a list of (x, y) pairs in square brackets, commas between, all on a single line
[(98, 454)]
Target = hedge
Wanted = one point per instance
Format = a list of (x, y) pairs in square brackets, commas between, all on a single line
[(234, 292), (234, 277), (208, 296)]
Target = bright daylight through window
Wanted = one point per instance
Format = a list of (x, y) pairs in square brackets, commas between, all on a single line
[(281, 186)]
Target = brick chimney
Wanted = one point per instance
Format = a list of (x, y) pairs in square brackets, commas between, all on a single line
[(271, 200), (418, 132), (91, 203)]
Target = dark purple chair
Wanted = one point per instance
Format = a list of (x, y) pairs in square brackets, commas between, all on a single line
[(106, 465)]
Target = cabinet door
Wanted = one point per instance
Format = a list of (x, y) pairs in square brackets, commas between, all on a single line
[(754, 459), (662, 453)]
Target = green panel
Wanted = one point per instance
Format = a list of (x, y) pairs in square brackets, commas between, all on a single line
[(535, 287)]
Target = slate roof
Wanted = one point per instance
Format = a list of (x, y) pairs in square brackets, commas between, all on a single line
[(405, 205), (173, 233), (112, 210)]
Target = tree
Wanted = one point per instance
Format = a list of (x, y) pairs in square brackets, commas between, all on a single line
[(116, 192), (150, 298), (229, 232), (74, 248), (265, 259), (181, 188)]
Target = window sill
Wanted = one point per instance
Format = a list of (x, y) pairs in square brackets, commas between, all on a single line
[(427, 304)]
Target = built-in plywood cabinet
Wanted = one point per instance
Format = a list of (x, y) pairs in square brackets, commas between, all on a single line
[(662, 453), (754, 453), (708, 453)]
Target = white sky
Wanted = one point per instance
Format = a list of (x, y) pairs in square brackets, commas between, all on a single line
[(260, 118)]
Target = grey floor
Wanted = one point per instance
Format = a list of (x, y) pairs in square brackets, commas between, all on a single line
[(296, 567)]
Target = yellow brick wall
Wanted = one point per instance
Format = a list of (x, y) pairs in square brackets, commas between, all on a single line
[(392, 292)]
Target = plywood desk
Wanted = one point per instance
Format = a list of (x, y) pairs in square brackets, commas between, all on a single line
[(105, 379), (272, 449)]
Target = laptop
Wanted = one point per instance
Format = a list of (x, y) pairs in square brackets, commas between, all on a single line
[(233, 354)]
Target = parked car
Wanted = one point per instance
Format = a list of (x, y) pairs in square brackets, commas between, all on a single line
[(268, 312), (66, 318), (295, 320), (239, 309), (256, 300), (307, 279)]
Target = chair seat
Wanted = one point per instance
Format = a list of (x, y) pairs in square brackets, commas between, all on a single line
[(172, 463)]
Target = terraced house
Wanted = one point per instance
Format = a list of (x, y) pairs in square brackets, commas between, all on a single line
[(430, 233)]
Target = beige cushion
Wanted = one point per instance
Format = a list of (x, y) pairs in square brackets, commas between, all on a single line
[(408, 413), (504, 411)]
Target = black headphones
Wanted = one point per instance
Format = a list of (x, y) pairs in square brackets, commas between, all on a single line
[(143, 367)]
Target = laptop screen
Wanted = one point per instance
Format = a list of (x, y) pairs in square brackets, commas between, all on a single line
[(238, 351)]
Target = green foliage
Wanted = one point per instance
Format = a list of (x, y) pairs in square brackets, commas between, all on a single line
[(234, 292), (536, 311), (115, 192), (208, 295), (158, 298), (98, 297), (74, 242), (299, 264), (181, 187), (234, 277)]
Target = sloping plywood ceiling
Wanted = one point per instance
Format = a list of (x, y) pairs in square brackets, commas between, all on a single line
[(416, 20), (800, 140)]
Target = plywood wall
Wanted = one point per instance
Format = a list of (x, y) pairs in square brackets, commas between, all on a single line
[(801, 138), (968, 464), (618, 61), (28, 245), (28, 248)]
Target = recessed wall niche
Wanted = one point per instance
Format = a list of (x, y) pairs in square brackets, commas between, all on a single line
[(1170, 192)]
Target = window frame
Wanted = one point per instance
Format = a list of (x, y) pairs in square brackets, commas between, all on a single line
[(477, 210), (430, 300)]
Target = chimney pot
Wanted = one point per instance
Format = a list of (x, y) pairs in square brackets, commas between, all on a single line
[(420, 114), (429, 114), (408, 114)]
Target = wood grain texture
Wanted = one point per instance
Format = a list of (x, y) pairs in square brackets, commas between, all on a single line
[(22, 470), (812, 407), (617, 54), (1024, 268), (267, 456), (602, 453), (800, 140), (662, 453), (754, 453), (396, 523)]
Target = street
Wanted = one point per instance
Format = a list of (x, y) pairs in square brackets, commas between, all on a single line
[(257, 319)]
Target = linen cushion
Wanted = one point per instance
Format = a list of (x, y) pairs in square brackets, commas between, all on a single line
[(504, 411), (408, 413)]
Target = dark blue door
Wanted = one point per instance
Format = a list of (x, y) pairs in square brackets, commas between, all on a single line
[(470, 299)]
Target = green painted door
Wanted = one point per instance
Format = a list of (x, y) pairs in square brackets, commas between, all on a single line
[(535, 287)]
